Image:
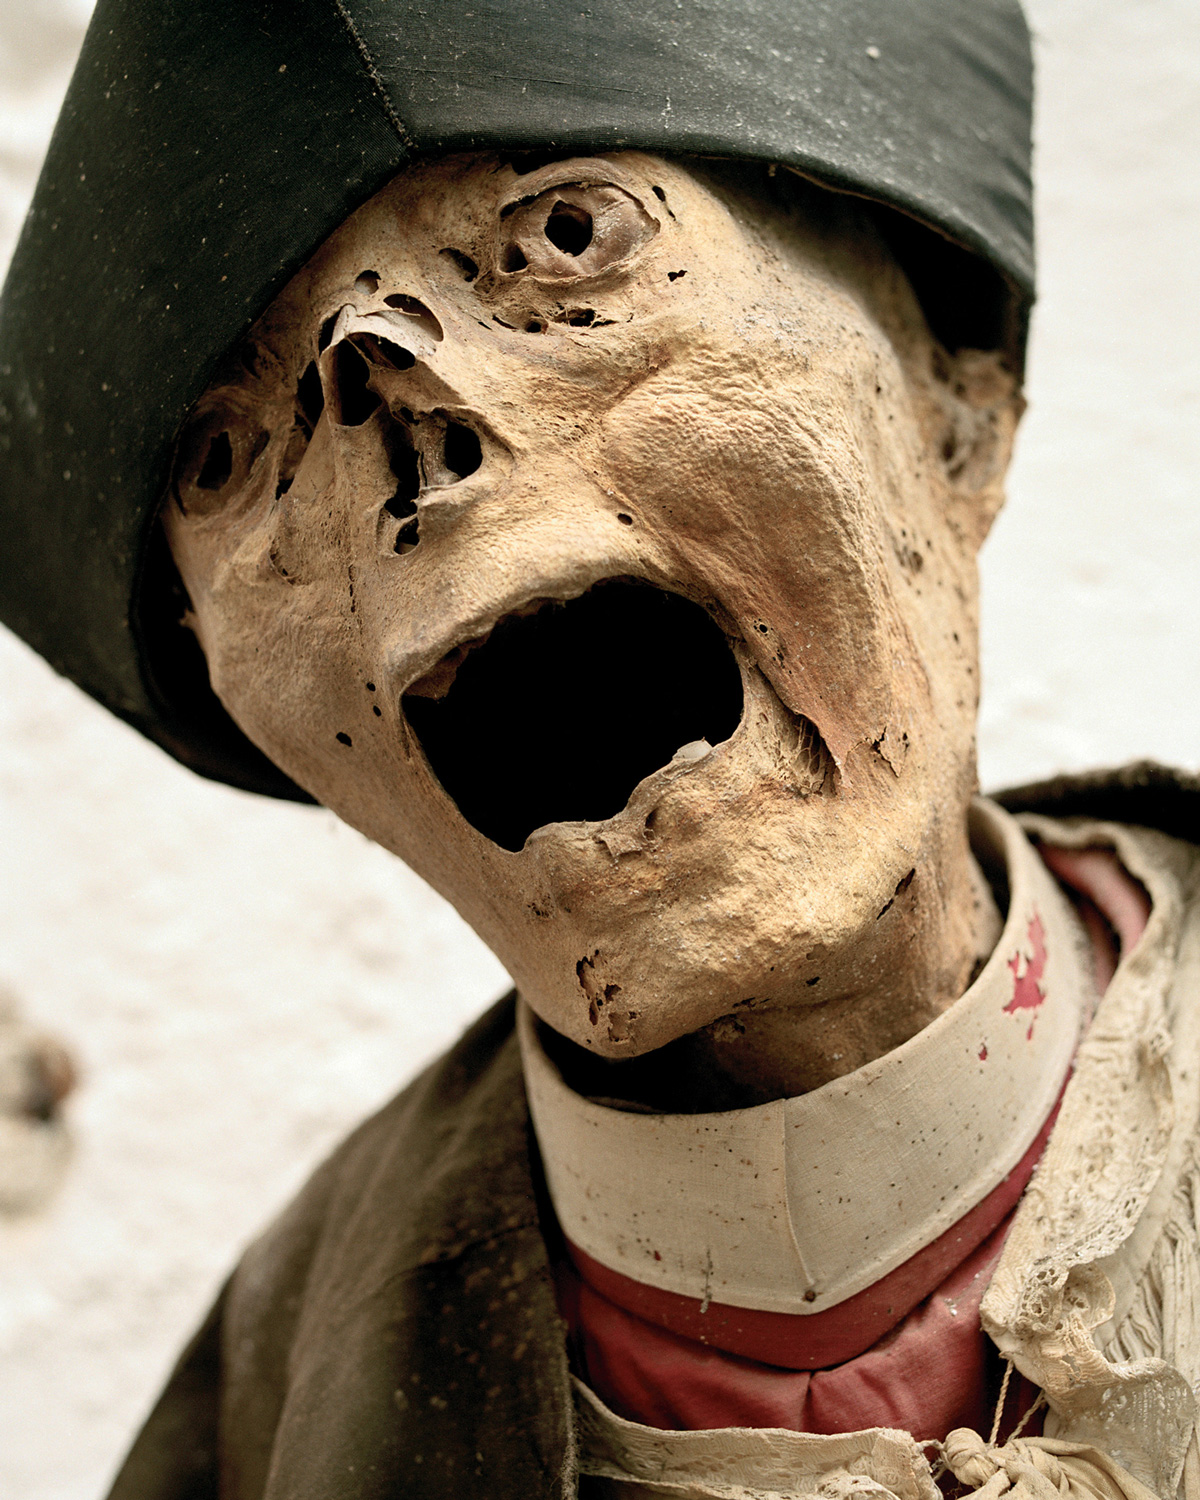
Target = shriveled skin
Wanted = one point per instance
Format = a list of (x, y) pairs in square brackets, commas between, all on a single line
[(724, 398)]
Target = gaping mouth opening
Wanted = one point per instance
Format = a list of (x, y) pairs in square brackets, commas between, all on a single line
[(558, 714)]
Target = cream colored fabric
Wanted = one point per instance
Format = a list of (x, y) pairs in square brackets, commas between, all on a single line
[(1097, 1294), (736, 1463), (626, 1461), (796, 1205), (742, 1463)]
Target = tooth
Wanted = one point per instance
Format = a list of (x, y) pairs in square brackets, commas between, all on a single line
[(693, 751)]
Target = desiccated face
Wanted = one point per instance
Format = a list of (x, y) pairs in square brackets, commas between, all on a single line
[(601, 541)]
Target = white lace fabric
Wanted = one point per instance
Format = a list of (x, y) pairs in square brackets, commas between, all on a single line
[(1096, 1297)]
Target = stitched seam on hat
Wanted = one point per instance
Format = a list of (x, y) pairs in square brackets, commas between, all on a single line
[(368, 63)]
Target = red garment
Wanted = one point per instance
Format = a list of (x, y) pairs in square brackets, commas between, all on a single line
[(1113, 905), (923, 1376), (907, 1352)]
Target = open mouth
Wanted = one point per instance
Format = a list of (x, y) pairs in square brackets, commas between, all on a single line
[(557, 715)]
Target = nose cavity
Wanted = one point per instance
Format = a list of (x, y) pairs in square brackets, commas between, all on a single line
[(361, 353), (350, 399), (405, 465), (309, 403), (425, 453), (353, 348)]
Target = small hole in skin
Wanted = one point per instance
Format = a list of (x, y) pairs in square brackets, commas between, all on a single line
[(463, 453), (533, 326), (217, 468), (675, 275), (403, 545), (343, 738), (624, 519), (660, 195), (514, 259), (370, 687), (367, 283), (464, 263), (581, 317), (569, 228), (376, 710)]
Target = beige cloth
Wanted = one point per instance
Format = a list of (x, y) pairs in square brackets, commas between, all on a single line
[(1097, 1294), (626, 1461), (795, 1205)]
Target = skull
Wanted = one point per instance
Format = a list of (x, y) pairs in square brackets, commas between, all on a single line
[(599, 536)]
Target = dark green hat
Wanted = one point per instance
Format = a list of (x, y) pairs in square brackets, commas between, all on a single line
[(207, 147)]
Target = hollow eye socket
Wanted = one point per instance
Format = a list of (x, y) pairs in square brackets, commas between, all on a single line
[(214, 457), (572, 231), (570, 228)]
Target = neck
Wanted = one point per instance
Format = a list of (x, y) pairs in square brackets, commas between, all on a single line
[(886, 985)]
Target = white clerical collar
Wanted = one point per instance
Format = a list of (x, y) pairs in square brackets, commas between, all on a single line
[(795, 1205)]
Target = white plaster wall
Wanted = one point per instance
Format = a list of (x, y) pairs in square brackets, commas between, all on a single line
[(243, 980), (1092, 575)]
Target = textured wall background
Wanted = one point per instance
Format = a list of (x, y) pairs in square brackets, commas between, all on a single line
[(243, 981)]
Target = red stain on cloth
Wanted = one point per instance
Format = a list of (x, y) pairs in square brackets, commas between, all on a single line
[(1028, 993)]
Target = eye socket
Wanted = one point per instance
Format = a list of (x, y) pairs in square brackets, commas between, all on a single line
[(572, 231), (214, 457), (569, 228), (217, 469)]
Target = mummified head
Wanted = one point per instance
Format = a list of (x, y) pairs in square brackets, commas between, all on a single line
[(600, 537)]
